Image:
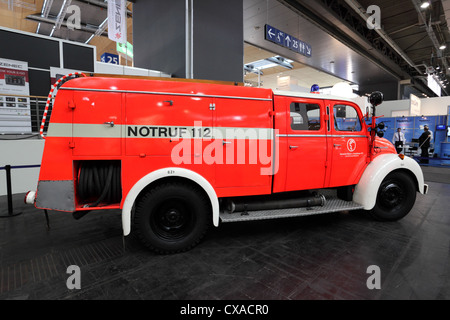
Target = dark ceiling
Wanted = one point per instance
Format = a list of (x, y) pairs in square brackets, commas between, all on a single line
[(408, 43), (408, 28)]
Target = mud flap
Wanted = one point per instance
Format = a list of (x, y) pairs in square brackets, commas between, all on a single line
[(56, 195)]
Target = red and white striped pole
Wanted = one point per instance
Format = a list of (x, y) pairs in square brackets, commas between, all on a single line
[(49, 98)]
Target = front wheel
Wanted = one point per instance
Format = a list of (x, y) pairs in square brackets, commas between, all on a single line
[(396, 197), (172, 217)]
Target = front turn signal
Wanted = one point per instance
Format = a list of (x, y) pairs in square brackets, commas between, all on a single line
[(401, 156)]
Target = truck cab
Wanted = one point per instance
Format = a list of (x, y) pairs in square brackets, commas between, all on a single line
[(324, 143), (178, 156)]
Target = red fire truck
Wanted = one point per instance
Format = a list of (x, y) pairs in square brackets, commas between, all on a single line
[(176, 157)]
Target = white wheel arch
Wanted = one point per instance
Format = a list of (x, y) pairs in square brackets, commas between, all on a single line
[(167, 173), (367, 188)]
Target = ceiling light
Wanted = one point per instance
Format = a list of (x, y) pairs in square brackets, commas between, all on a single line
[(271, 62), (281, 62), (425, 4), (251, 69), (442, 47)]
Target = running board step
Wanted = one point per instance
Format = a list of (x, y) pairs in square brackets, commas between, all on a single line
[(333, 204)]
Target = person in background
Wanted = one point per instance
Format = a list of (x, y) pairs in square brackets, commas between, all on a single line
[(399, 140), (424, 143)]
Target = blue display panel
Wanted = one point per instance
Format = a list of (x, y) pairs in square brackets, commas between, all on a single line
[(430, 121), (388, 122), (404, 122), (389, 127), (412, 127), (409, 135)]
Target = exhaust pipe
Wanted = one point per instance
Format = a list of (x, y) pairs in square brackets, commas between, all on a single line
[(318, 200)]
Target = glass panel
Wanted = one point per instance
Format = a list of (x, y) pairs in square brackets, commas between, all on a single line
[(346, 118), (305, 116)]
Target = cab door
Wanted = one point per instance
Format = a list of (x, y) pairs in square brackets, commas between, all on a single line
[(306, 143), (349, 143)]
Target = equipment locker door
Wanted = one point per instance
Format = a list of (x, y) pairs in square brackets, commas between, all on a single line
[(97, 123), (349, 144), (243, 132), (174, 126)]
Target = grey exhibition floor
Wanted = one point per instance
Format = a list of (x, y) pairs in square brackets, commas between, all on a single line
[(308, 258)]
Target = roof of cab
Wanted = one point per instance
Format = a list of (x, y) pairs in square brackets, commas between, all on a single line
[(311, 95)]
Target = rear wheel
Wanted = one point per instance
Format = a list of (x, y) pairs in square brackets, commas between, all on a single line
[(172, 217), (396, 197)]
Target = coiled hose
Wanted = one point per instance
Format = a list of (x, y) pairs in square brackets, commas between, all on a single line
[(99, 182)]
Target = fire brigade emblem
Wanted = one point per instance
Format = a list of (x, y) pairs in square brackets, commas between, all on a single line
[(351, 145)]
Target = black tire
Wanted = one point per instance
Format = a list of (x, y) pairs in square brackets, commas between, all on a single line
[(172, 217), (396, 197)]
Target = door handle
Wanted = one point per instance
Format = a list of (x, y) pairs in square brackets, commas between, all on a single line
[(226, 142), (293, 147), (337, 145), (111, 123)]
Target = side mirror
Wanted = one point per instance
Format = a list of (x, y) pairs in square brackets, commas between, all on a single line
[(376, 98)]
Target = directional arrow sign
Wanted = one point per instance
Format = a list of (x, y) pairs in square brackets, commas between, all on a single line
[(287, 41), (308, 51)]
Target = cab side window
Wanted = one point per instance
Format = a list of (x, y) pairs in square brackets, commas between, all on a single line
[(346, 118), (305, 116)]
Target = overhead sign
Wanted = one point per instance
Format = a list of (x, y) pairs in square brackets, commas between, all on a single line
[(288, 41), (110, 58), (125, 50)]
